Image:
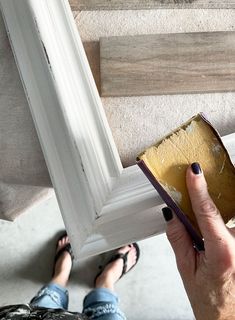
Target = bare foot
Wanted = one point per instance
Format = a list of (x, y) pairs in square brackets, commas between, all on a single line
[(113, 270), (63, 265)]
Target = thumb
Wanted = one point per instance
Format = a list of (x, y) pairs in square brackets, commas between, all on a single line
[(180, 241)]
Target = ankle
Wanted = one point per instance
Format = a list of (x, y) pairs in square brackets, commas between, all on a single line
[(106, 285), (60, 280), (62, 268), (104, 281), (61, 276)]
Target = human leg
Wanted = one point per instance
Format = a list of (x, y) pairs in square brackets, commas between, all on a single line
[(102, 302), (55, 295)]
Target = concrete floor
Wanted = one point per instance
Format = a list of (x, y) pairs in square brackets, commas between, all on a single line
[(153, 290)]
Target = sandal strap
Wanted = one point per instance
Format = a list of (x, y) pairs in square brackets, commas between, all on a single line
[(66, 248), (122, 256)]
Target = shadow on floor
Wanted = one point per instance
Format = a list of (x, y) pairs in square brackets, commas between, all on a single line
[(85, 272), (39, 267)]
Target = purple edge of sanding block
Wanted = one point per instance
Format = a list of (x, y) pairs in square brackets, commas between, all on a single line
[(198, 241)]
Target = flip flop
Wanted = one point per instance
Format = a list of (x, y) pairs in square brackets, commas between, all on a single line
[(66, 248), (124, 257)]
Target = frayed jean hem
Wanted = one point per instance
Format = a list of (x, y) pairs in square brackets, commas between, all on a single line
[(102, 304), (51, 296)]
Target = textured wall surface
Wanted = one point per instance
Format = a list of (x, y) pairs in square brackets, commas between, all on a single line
[(137, 122)]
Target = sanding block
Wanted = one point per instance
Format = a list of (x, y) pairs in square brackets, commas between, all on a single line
[(165, 164)]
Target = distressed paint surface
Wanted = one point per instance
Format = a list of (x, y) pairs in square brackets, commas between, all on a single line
[(150, 4)]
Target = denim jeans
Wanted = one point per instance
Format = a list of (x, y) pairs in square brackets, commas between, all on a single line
[(100, 303)]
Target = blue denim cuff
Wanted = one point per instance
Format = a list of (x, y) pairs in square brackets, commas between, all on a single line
[(51, 296), (100, 295), (102, 303)]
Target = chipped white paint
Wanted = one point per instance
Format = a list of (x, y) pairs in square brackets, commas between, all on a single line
[(176, 195), (223, 165), (216, 148), (190, 127)]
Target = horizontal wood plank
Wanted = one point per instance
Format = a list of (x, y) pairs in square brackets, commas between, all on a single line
[(150, 4), (167, 64)]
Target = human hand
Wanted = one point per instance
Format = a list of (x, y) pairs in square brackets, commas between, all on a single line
[(208, 276)]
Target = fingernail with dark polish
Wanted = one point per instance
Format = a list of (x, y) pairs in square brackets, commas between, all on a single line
[(196, 168), (167, 213)]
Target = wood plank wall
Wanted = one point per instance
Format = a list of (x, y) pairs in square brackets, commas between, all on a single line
[(150, 4), (167, 63)]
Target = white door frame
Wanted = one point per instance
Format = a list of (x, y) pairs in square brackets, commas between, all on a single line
[(103, 205)]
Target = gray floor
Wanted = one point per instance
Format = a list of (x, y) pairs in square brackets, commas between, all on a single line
[(153, 290)]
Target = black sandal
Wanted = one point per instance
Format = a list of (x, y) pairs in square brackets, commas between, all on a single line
[(66, 248), (124, 257)]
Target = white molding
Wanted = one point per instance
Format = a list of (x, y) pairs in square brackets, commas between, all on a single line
[(103, 205)]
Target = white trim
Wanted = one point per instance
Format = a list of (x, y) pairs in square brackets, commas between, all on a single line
[(103, 205)]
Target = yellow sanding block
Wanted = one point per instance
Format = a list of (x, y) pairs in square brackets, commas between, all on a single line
[(165, 165)]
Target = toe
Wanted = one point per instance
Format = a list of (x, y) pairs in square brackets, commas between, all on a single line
[(132, 258), (62, 243), (125, 249)]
